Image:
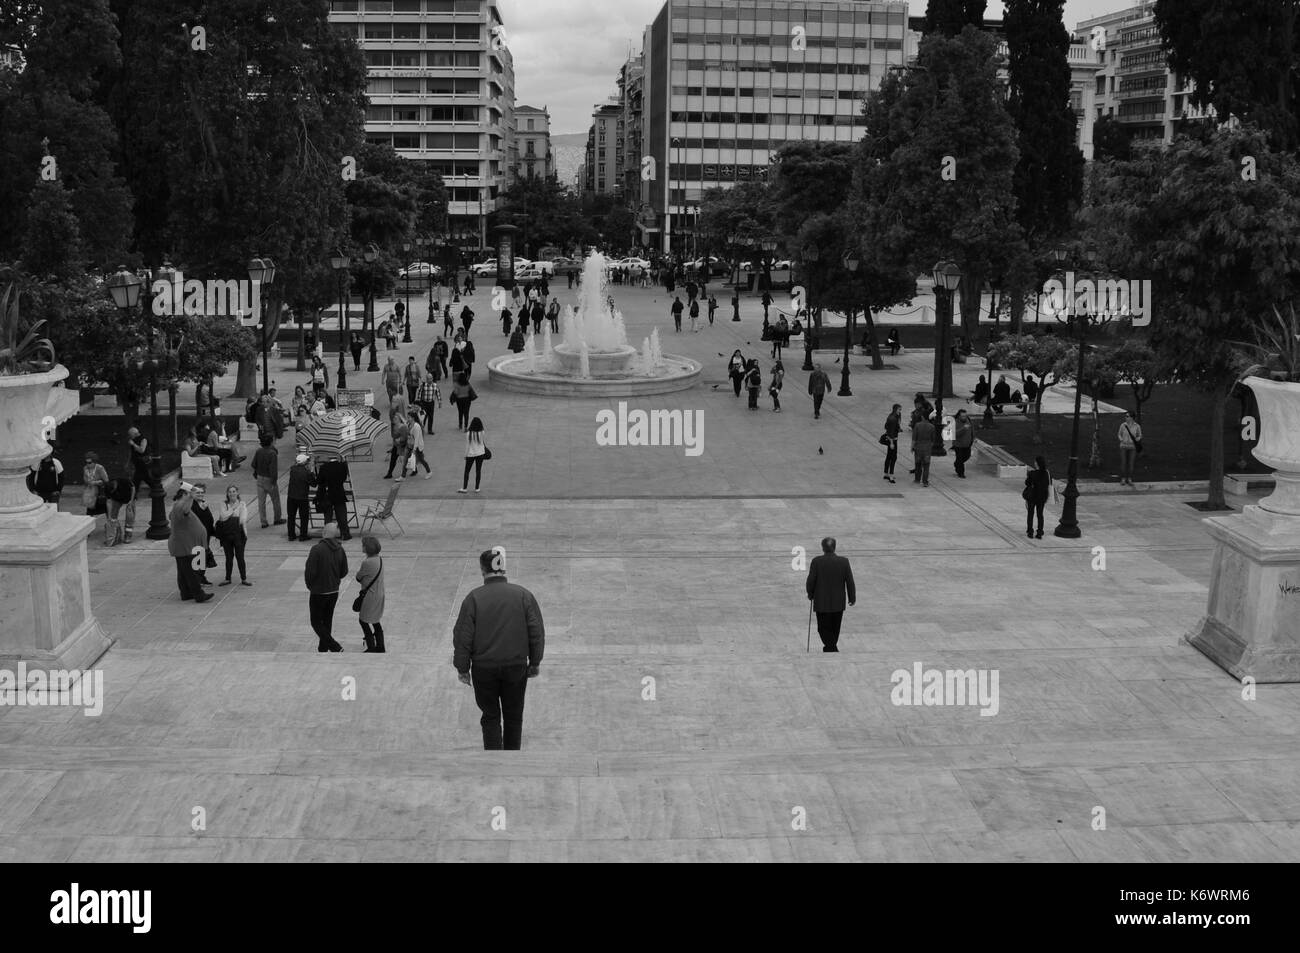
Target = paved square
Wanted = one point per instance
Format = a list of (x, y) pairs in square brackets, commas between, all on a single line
[(651, 565)]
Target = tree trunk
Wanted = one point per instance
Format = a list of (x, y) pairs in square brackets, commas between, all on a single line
[(972, 298), (1038, 416), (877, 362), (1216, 500)]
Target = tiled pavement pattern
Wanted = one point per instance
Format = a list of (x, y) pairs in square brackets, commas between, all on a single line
[(651, 564)]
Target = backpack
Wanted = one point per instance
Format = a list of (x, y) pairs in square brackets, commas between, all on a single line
[(250, 412)]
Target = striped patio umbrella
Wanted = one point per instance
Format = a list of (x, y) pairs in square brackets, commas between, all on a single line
[(344, 432)]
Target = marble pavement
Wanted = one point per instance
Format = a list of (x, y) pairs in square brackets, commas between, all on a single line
[(658, 570)]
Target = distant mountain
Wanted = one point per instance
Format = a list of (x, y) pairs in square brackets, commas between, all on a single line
[(570, 139), (570, 152)]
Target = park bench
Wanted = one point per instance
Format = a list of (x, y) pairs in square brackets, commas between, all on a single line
[(1007, 466)]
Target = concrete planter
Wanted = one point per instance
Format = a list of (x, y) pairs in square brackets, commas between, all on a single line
[(44, 581), (1252, 626)]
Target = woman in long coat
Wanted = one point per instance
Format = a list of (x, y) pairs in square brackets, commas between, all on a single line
[(372, 606)]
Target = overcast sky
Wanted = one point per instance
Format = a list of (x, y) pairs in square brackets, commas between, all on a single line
[(568, 52)]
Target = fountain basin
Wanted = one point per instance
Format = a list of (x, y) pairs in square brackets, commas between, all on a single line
[(510, 372), (615, 362)]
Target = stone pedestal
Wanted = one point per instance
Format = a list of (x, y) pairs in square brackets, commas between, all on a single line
[(45, 595), (45, 617), (1253, 622)]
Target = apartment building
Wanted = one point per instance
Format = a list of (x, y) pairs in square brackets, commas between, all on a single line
[(441, 90), (536, 158)]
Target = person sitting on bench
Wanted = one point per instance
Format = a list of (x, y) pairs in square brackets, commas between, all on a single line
[(1031, 391), (895, 345), (1001, 393), (981, 391)]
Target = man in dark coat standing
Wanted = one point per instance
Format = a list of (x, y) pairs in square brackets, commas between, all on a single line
[(327, 567), (829, 578), (499, 640), (187, 542)]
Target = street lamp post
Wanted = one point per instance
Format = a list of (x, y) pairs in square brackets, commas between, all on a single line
[(995, 287), (769, 246), (850, 263), (261, 271), (125, 289), (406, 335), (947, 276), (340, 262), (370, 255), (1068, 527), (810, 254)]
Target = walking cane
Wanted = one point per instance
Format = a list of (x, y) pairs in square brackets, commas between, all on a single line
[(810, 608)]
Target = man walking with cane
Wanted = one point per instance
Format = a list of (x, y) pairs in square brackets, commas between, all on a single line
[(829, 579)]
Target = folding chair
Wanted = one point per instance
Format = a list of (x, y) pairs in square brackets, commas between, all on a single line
[(382, 510)]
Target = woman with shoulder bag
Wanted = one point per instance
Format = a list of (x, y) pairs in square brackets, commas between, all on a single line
[(369, 604), (893, 427), (1038, 487), (774, 389), (95, 477), (230, 531), (476, 452), (1130, 445)]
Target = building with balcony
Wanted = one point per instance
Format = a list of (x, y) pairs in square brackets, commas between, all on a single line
[(441, 90), (536, 158), (631, 94), (601, 169), (728, 82), (1132, 81)]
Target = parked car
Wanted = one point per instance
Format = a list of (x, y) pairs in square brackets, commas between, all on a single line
[(716, 266), (565, 266), (635, 265), (534, 270), (488, 268), (420, 271)]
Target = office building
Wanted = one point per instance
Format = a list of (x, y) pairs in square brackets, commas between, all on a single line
[(727, 82), (441, 90)]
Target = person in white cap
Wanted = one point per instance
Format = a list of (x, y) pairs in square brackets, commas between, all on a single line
[(301, 479)]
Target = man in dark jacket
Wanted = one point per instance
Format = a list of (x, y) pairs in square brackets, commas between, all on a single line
[(499, 639), (327, 564), (466, 319), (187, 544), (46, 478), (301, 480), (266, 470), (332, 477), (829, 578), (436, 362), (677, 314), (818, 385), (963, 441), (922, 448)]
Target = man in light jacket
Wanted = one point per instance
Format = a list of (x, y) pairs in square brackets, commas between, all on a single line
[(830, 578), (499, 640)]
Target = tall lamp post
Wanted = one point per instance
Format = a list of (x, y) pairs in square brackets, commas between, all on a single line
[(947, 277), (995, 287), (125, 288), (850, 263), (406, 335), (769, 246), (370, 254), (1068, 527), (810, 254), (340, 262), (261, 271)]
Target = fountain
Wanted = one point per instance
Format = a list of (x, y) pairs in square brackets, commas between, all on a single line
[(593, 357)]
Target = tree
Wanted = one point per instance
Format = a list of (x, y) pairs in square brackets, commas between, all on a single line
[(52, 245), (1220, 251), (950, 16), (1135, 363), (54, 131), (1111, 139), (948, 115), (745, 212), (238, 149), (1046, 356), (1241, 57), (1048, 180)]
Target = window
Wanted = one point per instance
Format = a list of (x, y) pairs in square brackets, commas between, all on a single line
[(407, 60), (406, 140), (530, 128), (380, 31), (406, 31), (375, 58)]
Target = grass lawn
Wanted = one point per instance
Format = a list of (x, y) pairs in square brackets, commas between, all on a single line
[(106, 435), (1175, 437)]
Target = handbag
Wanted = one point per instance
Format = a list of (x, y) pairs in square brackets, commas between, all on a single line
[(356, 603), (487, 453), (1137, 444), (884, 440), (210, 561)]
